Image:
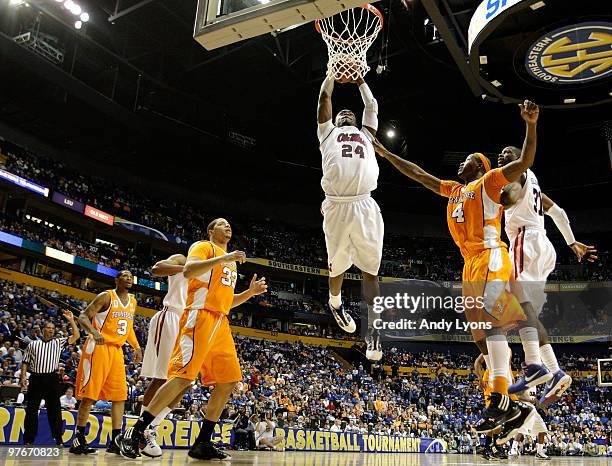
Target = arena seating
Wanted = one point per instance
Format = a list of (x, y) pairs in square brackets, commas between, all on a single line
[(429, 258), (301, 385)]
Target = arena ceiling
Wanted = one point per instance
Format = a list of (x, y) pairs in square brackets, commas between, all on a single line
[(136, 90)]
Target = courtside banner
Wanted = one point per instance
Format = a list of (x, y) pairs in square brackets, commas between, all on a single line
[(182, 434)]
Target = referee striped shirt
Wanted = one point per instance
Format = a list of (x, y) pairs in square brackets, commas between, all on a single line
[(43, 357)]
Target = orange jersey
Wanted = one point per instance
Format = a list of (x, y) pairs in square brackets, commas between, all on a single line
[(213, 290), (474, 212), (116, 324)]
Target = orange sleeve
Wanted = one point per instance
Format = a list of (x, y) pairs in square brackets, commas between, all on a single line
[(447, 187), (202, 251), (131, 338), (494, 181)]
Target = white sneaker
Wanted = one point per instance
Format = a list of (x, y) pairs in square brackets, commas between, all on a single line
[(542, 456), (373, 349), (152, 448)]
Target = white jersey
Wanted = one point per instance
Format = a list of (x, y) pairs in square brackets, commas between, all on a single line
[(528, 212), (349, 161), (176, 297)]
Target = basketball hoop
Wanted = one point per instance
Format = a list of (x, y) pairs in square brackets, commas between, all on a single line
[(348, 36)]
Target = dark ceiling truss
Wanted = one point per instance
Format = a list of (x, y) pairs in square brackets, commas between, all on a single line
[(450, 31)]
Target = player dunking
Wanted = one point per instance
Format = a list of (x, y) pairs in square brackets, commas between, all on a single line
[(109, 320), (163, 331), (352, 222), (204, 344), (534, 259), (474, 219)]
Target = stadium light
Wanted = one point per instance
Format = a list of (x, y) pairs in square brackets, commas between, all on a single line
[(68, 4), (85, 17), (76, 10), (16, 2), (569, 101), (390, 133), (78, 25)]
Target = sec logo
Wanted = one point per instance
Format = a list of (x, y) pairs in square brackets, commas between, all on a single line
[(572, 54)]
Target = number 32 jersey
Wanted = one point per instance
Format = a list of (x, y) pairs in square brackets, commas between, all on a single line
[(117, 323), (213, 290), (349, 161), (528, 210), (474, 212)]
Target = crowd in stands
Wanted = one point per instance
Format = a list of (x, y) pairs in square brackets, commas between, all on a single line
[(423, 258), (296, 385)]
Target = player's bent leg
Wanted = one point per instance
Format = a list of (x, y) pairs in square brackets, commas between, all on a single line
[(152, 448), (150, 392), (117, 410), (203, 449), (79, 444), (371, 289), (343, 318), (560, 381), (534, 372)]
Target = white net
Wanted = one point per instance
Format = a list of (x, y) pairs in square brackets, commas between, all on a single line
[(348, 36)]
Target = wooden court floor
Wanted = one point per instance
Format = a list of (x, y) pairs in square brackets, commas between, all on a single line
[(244, 458)]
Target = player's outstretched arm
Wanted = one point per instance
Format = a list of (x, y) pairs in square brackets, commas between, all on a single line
[(514, 170), (255, 287), (324, 109), (100, 303), (562, 223), (168, 267), (369, 120), (76, 334), (411, 170)]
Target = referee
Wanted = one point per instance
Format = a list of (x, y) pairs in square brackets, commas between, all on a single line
[(42, 358)]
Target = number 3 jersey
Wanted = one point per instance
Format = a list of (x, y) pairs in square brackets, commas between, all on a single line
[(116, 324), (213, 290), (349, 161), (474, 212)]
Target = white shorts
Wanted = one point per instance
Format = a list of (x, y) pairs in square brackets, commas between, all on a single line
[(533, 259), (163, 331), (354, 231), (534, 425)]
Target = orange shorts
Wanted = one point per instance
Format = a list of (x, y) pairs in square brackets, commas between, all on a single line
[(101, 372), (486, 276), (205, 345)]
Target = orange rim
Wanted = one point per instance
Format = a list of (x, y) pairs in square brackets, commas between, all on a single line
[(368, 7)]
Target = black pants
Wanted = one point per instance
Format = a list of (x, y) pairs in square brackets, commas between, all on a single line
[(47, 387)]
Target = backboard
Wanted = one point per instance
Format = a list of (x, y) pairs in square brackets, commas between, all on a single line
[(223, 22)]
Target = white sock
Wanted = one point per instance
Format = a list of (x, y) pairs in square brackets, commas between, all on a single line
[(487, 361), (514, 445), (159, 418), (549, 358), (335, 301), (540, 448), (531, 345), (499, 357)]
